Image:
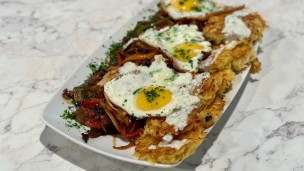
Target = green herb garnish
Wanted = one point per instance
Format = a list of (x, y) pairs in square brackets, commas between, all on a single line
[(153, 72), (151, 95), (173, 77), (104, 65), (137, 90), (191, 63), (129, 33), (93, 66), (182, 53), (67, 114), (111, 53), (197, 9)]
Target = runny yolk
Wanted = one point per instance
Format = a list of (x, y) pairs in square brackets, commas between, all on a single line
[(185, 5), (152, 98), (185, 52)]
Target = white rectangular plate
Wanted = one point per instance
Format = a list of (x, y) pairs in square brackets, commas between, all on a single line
[(103, 144)]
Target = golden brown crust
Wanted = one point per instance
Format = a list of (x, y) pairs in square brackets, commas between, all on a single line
[(257, 25), (167, 155), (213, 29), (255, 66), (224, 80), (198, 120), (222, 61), (157, 126), (215, 24), (237, 58), (211, 114)]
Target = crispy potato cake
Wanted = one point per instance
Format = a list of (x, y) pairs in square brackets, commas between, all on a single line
[(147, 145), (215, 25)]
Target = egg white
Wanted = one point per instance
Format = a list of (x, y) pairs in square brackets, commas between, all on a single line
[(132, 77), (168, 38)]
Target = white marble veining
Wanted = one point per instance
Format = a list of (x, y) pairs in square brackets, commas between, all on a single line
[(43, 41)]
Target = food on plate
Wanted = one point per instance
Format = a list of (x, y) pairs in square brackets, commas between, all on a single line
[(154, 91), (236, 56), (164, 84), (238, 35), (183, 44)]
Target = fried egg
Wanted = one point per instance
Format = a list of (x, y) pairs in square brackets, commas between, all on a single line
[(180, 9), (155, 91), (183, 44)]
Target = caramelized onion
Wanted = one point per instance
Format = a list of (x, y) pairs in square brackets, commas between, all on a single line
[(120, 114), (112, 117), (139, 57), (131, 144), (108, 77)]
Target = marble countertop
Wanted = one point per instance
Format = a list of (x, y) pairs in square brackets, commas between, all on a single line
[(43, 41)]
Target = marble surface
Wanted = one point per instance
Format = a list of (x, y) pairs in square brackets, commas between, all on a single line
[(43, 41)]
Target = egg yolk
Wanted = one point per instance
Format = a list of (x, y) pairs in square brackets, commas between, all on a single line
[(153, 98), (185, 52), (185, 5)]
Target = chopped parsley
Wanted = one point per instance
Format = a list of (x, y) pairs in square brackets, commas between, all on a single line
[(173, 77), (93, 66), (151, 95), (74, 124), (150, 10), (111, 53), (110, 60), (104, 65), (151, 17), (130, 33), (191, 63), (182, 54), (153, 72), (70, 119), (197, 9), (84, 92), (136, 90), (67, 114)]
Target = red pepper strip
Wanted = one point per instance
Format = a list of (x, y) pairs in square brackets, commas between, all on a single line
[(119, 59), (89, 102), (128, 134), (94, 123), (134, 134)]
